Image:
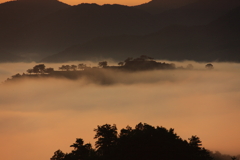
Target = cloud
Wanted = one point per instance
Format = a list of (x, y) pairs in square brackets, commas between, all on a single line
[(40, 116)]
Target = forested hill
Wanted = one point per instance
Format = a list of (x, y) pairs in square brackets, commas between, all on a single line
[(35, 29), (217, 41), (144, 142), (100, 73)]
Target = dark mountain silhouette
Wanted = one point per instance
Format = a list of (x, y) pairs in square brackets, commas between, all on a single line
[(15, 16), (116, 47), (158, 6), (18, 14), (172, 43), (217, 41), (200, 12), (78, 24), (39, 28)]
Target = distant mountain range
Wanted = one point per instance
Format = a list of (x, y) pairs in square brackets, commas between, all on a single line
[(51, 31), (217, 41)]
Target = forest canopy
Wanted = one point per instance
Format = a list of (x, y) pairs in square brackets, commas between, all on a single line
[(144, 142)]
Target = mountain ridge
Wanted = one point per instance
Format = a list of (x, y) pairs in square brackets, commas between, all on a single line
[(81, 23), (38, 29), (201, 43)]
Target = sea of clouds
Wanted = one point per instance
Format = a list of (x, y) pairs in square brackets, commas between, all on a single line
[(38, 117)]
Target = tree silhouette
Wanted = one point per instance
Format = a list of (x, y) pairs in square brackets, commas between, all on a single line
[(67, 67), (62, 67), (144, 142), (106, 136), (145, 63), (195, 142), (73, 67), (39, 68), (121, 63), (30, 71), (148, 142), (58, 155), (197, 152), (48, 70), (16, 75), (102, 64), (81, 151), (82, 66)]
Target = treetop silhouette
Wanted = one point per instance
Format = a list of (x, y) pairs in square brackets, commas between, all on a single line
[(141, 143), (142, 63)]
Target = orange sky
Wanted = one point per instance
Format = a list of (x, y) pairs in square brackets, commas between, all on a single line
[(124, 2)]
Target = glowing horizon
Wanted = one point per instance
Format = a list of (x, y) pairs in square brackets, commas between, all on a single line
[(100, 2)]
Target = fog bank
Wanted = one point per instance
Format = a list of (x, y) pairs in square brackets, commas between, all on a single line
[(38, 117)]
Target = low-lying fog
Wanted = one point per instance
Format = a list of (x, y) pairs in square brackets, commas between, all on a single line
[(38, 117)]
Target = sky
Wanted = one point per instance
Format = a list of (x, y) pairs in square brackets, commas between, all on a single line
[(38, 117), (123, 2)]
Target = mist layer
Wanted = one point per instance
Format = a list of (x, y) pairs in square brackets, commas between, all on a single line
[(39, 116)]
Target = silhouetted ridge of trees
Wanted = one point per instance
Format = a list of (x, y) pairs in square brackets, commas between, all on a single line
[(145, 63), (142, 63), (144, 142)]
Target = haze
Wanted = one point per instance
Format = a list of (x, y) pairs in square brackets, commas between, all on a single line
[(38, 117)]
